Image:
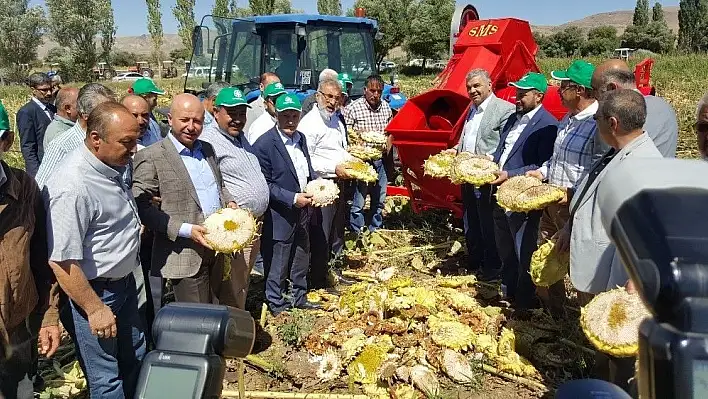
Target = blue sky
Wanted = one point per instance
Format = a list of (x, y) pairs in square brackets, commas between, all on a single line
[(131, 16)]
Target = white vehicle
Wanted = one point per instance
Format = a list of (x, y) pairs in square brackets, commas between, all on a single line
[(127, 77)]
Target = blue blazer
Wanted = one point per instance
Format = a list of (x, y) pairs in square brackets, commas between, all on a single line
[(277, 167), (534, 145), (32, 122)]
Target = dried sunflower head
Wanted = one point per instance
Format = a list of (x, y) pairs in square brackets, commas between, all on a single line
[(538, 197), (455, 281), (230, 230), (438, 165), (459, 301), (361, 170), (547, 265), (509, 190), (365, 152), (473, 169), (611, 322), (324, 191), (450, 334), (330, 366)]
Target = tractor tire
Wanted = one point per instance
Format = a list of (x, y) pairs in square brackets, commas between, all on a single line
[(147, 72), (109, 74)]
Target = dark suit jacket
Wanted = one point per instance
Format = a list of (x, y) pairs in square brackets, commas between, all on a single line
[(279, 172), (31, 124), (160, 172), (534, 145)]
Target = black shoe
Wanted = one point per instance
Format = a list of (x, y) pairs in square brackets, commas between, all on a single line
[(341, 280), (307, 305)]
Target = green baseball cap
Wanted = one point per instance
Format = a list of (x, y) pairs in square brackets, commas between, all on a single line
[(532, 80), (4, 119), (344, 78), (288, 101), (579, 72), (274, 89), (230, 97), (145, 86)]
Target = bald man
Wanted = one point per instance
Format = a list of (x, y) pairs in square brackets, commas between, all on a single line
[(67, 113), (140, 109), (180, 253), (661, 124), (258, 105)]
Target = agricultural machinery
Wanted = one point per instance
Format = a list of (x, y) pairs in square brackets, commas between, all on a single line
[(169, 70), (433, 121), (297, 47)]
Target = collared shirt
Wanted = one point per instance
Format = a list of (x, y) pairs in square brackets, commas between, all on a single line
[(515, 132), (58, 126), (297, 156), (259, 127), (44, 107), (202, 178), (359, 116), (471, 129), (240, 169), (152, 135), (573, 148), (326, 142), (59, 149), (92, 218), (256, 110), (208, 119)]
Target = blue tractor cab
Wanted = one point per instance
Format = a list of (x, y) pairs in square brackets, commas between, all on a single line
[(296, 47)]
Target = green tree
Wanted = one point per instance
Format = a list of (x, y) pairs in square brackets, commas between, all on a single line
[(603, 32), (654, 37), (107, 31), (21, 29), (693, 20), (55, 54), (184, 13), (425, 38), (657, 13), (329, 7), (75, 24), (393, 22), (124, 58), (221, 8), (641, 13), (601, 40), (155, 28)]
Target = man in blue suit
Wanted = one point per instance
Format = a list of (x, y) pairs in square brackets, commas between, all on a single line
[(32, 121), (285, 241), (526, 142)]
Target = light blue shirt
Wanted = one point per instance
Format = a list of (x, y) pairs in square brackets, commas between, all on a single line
[(202, 178), (208, 119)]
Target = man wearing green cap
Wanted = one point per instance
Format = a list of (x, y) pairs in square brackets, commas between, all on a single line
[(26, 277), (347, 85), (285, 162), (266, 121), (526, 142), (145, 88), (576, 147), (243, 179)]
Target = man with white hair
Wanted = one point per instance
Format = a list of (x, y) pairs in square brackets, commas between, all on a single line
[(480, 135), (311, 100), (702, 126)]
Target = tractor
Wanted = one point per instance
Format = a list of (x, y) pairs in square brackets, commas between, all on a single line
[(143, 68), (168, 69), (297, 47), (103, 71)]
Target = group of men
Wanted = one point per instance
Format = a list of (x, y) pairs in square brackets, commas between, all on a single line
[(114, 215)]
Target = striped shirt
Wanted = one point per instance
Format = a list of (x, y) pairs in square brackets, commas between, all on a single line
[(60, 147), (240, 169), (359, 116), (575, 149)]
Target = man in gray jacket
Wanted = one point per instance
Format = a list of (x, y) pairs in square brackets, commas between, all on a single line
[(661, 124), (480, 135)]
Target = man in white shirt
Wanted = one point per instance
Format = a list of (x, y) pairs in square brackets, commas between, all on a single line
[(257, 105), (326, 142), (480, 135), (525, 144), (267, 119)]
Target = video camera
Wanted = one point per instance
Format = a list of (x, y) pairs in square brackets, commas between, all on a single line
[(656, 213), (192, 342)]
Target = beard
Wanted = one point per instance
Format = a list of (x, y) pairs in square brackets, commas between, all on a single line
[(325, 113)]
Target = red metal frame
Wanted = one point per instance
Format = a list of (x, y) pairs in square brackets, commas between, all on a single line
[(433, 121)]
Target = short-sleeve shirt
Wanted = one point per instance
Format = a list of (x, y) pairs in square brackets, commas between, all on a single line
[(92, 217)]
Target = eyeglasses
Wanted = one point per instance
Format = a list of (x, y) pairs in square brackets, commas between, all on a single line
[(44, 90), (329, 96)]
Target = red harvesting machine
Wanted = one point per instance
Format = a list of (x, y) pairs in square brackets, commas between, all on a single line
[(433, 121)]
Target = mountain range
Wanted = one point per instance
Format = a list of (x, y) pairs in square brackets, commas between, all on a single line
[(619, 19)]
